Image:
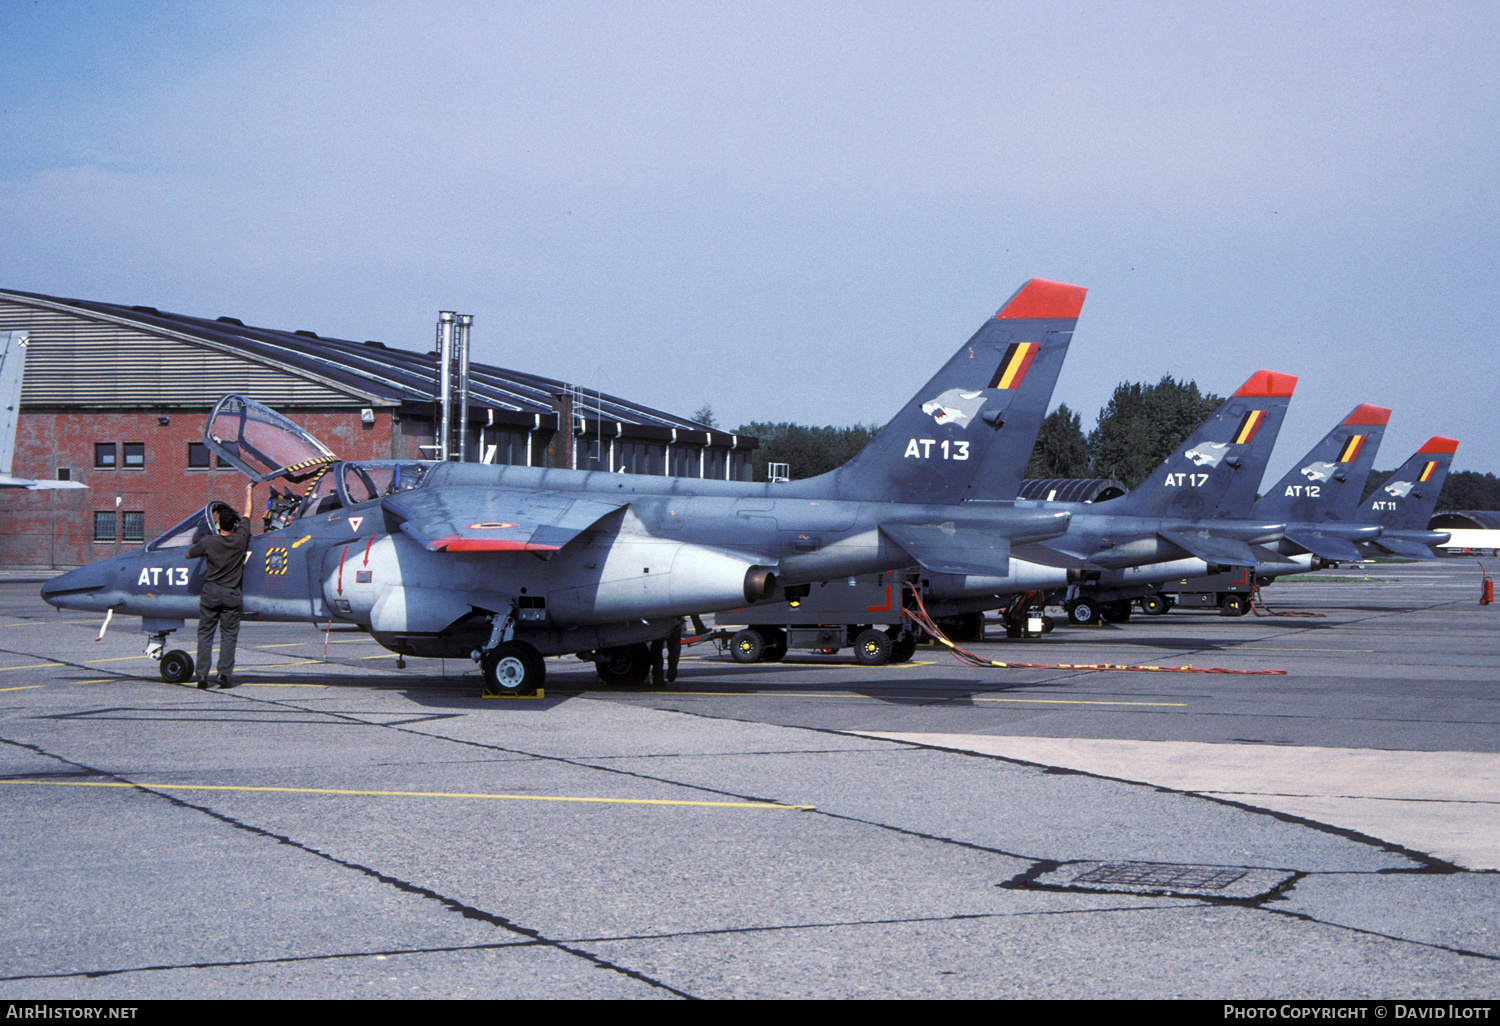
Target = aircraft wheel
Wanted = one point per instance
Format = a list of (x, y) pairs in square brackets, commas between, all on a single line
[(1235, 605), (748, 646), (176, 666), (626, 666), (513, 668), (872, 648), (1082, 612), (964, 627), (1154, 604), (1115, 612), (1048, 624), (903, 647), (775, 647)]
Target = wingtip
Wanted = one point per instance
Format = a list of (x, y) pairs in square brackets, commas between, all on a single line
[(1041, 299), (1367, 414), (1265, 384), (1437, 444)]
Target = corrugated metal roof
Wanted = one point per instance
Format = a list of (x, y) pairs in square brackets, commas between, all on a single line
[(1467, 519), (1063, 489), (276, 367)]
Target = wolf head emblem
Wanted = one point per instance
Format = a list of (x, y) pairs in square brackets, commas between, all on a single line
[(1207, 453), (954, 406)]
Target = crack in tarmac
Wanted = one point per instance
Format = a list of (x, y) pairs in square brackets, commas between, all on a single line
[(451, 904)]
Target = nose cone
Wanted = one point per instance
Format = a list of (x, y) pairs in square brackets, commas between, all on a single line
[(84, 588)]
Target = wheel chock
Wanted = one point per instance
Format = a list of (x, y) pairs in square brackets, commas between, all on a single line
[(487, 693)]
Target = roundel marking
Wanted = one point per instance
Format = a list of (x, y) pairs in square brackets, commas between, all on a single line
[(489, 527)]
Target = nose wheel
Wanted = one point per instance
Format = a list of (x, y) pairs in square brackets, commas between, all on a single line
[(512, 668), (176, 667)]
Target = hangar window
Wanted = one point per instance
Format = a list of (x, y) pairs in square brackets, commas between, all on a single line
[(133, 526), (104, 456), (65, 473), (135, 455), (198, 456), (104, 525)]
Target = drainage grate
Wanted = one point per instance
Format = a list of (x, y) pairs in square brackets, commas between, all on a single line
[(1239, 883), (1130, 874)]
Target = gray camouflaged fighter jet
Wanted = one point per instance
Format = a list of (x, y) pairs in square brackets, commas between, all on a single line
[(1194, 511), (1403, 506), (509, 564)]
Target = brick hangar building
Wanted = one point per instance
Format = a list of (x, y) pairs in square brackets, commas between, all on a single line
[(116, 397)]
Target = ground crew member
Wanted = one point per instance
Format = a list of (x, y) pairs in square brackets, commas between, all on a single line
[(673, 644), (220, 602)]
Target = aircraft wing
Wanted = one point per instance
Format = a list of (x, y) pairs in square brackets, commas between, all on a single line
[(953, 550), (494, 520), (1320, 543), (1212, 548)]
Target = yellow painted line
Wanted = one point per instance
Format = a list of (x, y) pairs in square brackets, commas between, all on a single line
[(23, 687), (1257, 648), (810, 694), (383, 655), (117, 659), (32, 666), (278, 666), (415, 794), (1078, 701), (282, 685), (319, 641)]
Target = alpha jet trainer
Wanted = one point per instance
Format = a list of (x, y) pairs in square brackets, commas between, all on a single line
[(509, 564), (1194, 511)]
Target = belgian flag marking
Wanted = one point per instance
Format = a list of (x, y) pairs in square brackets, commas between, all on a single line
[(1351, 448), (1013, 368), (1249, 426), (1428, 471)]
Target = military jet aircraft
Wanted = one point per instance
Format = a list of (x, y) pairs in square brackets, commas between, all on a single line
[(12, 370), (1194, 511), (509, 564), (1403, 506)]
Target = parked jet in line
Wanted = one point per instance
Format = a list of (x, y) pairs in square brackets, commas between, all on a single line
[(1193, 511), (1403, 506), (509, 564)]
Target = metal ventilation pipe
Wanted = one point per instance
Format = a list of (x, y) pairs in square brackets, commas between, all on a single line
[(464, 321), (444, 395)]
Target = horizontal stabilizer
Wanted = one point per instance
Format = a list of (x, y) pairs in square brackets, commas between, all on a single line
[(494, 520), (1045, 555), (953, 550), (1408, 547), (1211, 548), (1320, 543)]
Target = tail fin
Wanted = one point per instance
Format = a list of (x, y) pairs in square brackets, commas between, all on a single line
[(1216, 471), (1407, 499), (968, 433), (1327, 483)]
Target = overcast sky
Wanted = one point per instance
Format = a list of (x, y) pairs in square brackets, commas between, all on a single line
[(790, 211)]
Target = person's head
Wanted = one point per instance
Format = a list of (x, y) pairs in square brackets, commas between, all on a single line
[(228, 520)]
